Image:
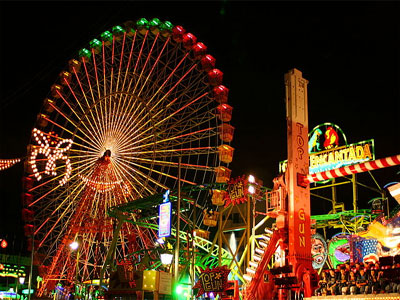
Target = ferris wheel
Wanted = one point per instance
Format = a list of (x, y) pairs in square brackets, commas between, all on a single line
[(140, 101)]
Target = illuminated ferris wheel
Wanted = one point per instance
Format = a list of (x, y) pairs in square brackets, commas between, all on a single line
[(139, 98)]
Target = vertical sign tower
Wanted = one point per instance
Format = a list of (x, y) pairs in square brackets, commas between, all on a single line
[(298, 218)]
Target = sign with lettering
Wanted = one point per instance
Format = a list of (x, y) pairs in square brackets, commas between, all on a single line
[(338, 157), (14, 259), (164, 214), (328, 149), (165, 283), (237, 191), (164, 228), (213, 281), (342, 156)]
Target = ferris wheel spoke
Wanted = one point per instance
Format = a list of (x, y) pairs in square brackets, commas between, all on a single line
[(173, 164), (149, 178), (176, 123), (59, 218), (110, 108), (120, 61), (54, 179), (174, 152), (162, 85), (96, 122), (154, 64), (144, 84), (129, 62), (166, 94), (126, 74), (53, 211), (74, 124), (116, 110), (162, 173), (70, 132), (191, 136), (83, 111), (99, 128), (143, 68), (104, 87), (171, 115), (121, 166), (102, 114)]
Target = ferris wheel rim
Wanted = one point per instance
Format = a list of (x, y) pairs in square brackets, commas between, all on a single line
[(81, 153)]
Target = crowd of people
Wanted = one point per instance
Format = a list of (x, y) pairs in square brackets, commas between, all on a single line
[(359, 278)]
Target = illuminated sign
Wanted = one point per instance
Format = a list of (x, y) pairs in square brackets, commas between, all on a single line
[(325, 136), (338, 157), (237, 192), (329, 150), (164, 214), (213, 281), (342, 156)]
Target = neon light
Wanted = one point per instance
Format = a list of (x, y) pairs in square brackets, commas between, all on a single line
[(326, 136), (338, 157), (342, 156), (164, 227), (52, 153)]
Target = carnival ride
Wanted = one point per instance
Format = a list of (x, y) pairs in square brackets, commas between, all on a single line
[(143, 103), (287, 243), (144, 111)]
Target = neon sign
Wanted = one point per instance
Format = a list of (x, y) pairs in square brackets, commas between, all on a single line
[(165, 212), (213, 281), (342, 156), (326, 153)]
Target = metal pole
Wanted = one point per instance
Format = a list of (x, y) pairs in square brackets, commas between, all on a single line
[(193, 270), (178, 223), (355, 196), (333, 196), (30, 271), (248, 228), (77, 264)]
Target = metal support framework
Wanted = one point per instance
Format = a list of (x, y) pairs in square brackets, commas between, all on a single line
[(110, 253), (345, 221), (244, 226)]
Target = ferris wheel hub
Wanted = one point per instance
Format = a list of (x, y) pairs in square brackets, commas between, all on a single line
[(107, 153)]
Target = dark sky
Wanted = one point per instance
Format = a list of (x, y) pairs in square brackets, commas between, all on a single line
[(347, 50)]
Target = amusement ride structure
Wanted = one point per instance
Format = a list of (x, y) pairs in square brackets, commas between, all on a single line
[(143, 101), (141, 119)]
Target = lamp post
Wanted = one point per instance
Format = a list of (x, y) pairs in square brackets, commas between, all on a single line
[(75, 246), (21, 281), (31, 267), (166, 258), (178, 223)]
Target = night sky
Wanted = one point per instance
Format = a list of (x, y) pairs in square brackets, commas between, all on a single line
[(347, 50)]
